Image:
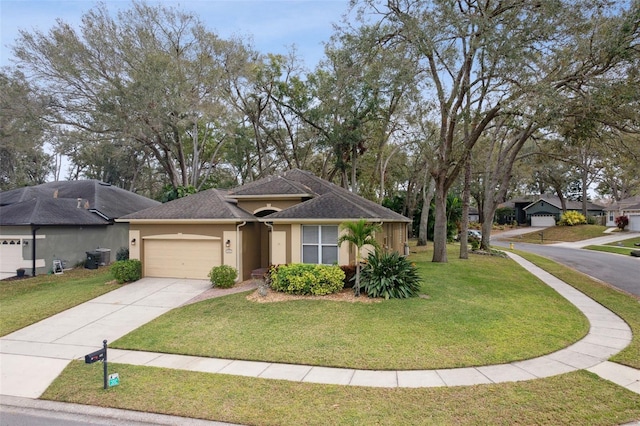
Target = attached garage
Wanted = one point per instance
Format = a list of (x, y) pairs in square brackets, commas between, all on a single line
[(634, 222), (543, 220), (181, 255), (10, 256)]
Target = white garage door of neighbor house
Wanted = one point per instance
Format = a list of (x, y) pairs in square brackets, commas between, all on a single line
[(181, 258), (10, 257), (548, 220), (634, 222)]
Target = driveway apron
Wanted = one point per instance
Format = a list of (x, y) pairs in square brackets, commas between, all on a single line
[(31, 358)]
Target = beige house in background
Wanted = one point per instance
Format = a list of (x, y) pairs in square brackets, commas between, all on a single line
[(290, 218)]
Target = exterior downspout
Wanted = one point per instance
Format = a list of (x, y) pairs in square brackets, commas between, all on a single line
[(270, 225), (33, 249), (238, 243)]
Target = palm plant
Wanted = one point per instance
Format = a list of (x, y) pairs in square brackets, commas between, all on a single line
[(360, 234)]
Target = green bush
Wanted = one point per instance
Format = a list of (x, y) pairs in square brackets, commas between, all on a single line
[(572, 218), (223, 276), (349, 275), (304, 278), (125, 271), (391, 276), (122, 253)]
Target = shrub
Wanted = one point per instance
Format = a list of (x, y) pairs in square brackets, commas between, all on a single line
[(304, 278), (122, 254), (223, 276), (622, 222), (572, 218), (349, 275), (125, 271), (391, 276)]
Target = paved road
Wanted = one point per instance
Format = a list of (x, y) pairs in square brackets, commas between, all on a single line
[(620, 271)]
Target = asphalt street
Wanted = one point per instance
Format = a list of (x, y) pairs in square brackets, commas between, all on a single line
[(617, 270)]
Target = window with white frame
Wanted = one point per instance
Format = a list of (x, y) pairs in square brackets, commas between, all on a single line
[(320, 244)]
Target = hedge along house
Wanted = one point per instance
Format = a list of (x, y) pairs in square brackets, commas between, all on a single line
[(290, 218), (62, 221)]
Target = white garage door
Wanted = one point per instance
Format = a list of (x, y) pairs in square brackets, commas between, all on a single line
[(10, 257), (634, 222), (546, 220), (181, 258)]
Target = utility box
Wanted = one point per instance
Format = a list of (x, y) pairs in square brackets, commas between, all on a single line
[(93, 260), (105, 256)]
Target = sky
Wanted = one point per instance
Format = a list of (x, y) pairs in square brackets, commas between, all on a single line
[(274, 25)]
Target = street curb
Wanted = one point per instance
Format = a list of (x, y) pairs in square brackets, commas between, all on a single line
[(119, 416)]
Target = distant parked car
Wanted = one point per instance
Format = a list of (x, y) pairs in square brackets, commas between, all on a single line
[(472, 234)]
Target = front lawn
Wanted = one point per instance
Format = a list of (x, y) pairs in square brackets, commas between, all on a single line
[(26, 301), (578, 398), (574, 398), (557, 234), (485, 310), (626, 306)]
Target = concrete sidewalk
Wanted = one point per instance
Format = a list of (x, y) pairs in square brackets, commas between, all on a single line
[(606, 239), (31, 358)]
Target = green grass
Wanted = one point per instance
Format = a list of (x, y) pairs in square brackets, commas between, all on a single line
[(578, 398), (485, 310), (27, 301), (619, 247), (562, 234), (611, 249), (626, 306), (575, 398)]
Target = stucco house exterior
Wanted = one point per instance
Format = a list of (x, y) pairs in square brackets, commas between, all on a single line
[(629, 207), (62, 221), (547, 209), (290, 218)]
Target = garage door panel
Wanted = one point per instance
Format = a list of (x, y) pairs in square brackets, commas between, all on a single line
[(538, 221), (634, 222), (181, 258)]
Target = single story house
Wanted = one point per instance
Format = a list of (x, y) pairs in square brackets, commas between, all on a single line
[(290, 218), (629, 207), (547, 209), (62, 221)]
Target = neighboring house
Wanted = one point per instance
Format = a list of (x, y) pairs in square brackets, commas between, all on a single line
[(629, 207), (518, 205), (290, 218), (474, 215), (547, 209), (62, 221)]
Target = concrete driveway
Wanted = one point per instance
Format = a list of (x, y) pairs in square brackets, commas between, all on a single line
[(31, 358)]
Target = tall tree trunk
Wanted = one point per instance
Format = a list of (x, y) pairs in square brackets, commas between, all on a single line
[(427, 196), (466, 195), (440, 226)]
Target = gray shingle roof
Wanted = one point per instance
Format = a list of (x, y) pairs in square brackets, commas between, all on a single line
[(49, 211), (319, 200), (209, 204), (571, 205), (110, 201), (275, 185)]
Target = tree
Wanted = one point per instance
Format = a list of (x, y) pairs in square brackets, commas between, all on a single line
[(484, 58), (360, 234), (22, 133), (152, 78)]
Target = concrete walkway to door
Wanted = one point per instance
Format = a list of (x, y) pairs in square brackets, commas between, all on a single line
[(31, 358)]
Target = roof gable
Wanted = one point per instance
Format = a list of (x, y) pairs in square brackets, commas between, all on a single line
[(209, 204)]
